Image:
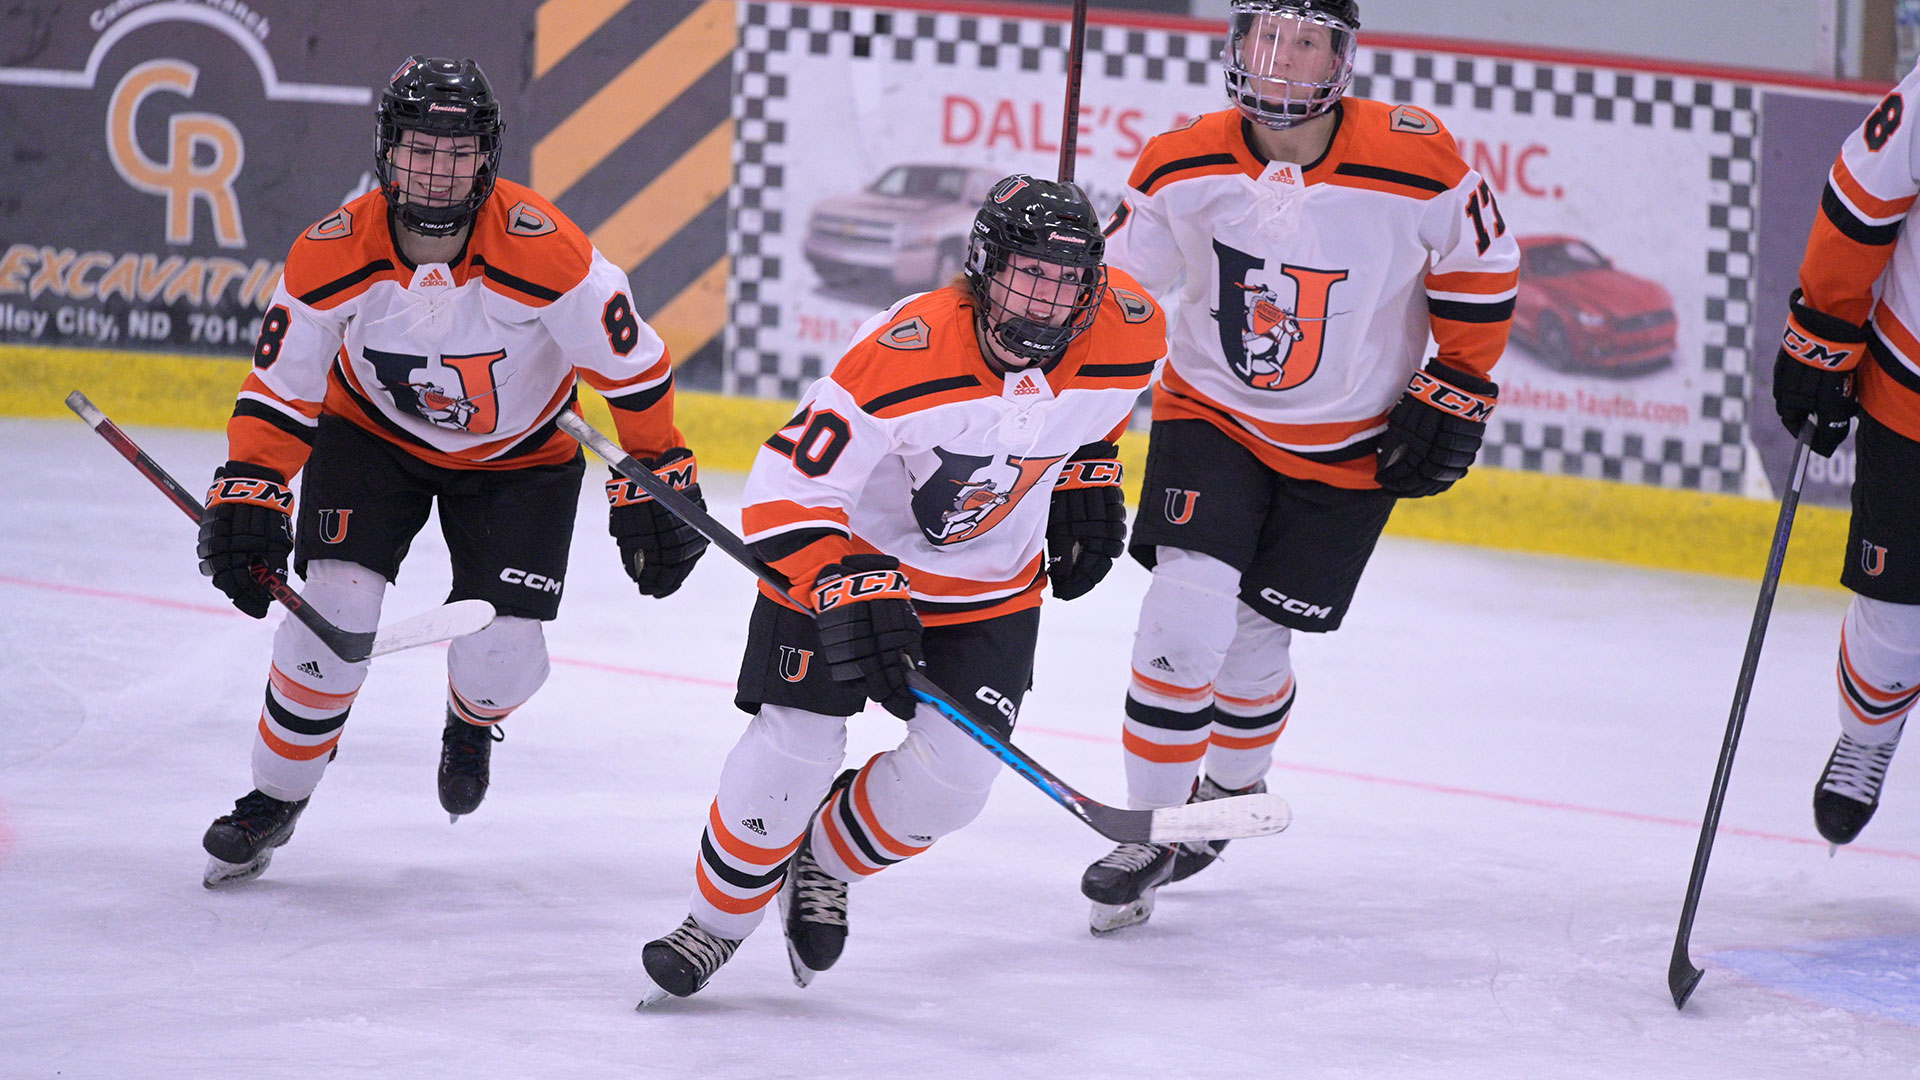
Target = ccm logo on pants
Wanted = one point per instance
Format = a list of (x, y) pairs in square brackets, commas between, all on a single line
[(536, 582), (1294, 607)]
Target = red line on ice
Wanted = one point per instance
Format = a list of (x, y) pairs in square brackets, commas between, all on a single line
[(1315, 770)]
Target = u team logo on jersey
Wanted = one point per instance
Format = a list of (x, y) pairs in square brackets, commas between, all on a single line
[(1873, 558), (794, 663), (333, 525), (907, 336), (334, 226), (969, 494), (524, 220), (457, 392), (1180, 503), (1413, 121), (1268, 344), (1134, 308)]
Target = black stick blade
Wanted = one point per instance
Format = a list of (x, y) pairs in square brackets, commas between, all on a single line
[(1682, 977)]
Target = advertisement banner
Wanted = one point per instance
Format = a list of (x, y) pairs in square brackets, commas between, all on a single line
[(161, 157), (1631, 193)]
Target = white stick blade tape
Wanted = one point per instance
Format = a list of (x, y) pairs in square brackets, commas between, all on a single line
[(1232, 818)]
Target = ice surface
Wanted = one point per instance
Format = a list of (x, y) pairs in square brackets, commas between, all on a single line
[(1496, 768)]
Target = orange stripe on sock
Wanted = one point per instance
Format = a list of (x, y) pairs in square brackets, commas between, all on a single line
[(292, 751), (1166, 689), (475, 714), (740, 849), (1867, 689), (1165, 753), (864, 808), (307, 695), (1256, 703), (1238, 742), (732, 905), (841, 846)]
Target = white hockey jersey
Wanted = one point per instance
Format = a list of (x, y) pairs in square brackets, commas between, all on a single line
[(1859, 240), (915, 448), (463, 365), (1307, 292)]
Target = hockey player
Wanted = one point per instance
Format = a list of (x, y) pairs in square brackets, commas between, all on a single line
[(1844, 351), (908, 502), (1315, 242), (421, 341)]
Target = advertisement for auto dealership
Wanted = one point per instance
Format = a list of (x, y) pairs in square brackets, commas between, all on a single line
[(1631, 193)]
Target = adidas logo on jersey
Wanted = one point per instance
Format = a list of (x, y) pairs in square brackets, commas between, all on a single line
[(754, 825), (1160, 663), (311, 668), (434, 279), (1026, 387)]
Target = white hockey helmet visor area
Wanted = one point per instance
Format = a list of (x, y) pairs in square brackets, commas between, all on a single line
[(1286, 63)]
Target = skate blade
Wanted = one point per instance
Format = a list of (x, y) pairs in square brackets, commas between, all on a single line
[(803, 975), (1832, 850), (220, 873), (453, 819), (654, 994), (1107, 918)]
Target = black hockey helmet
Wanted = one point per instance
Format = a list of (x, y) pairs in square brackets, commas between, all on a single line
[(1264, 58), (439, 98), (1054, 294)]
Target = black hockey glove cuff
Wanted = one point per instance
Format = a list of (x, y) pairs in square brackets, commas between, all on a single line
[(869, 632), (1434, 431), (1087, 523), (1813, 374), (249, 519), (657, 549)]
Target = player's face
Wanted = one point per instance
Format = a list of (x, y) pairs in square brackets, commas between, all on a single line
[(436, 170), (1041, 291), (1279, 49)]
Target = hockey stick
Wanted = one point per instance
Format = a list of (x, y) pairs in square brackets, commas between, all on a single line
[(441, 624), (1682, 976), (1222, 819), (1076, 57)]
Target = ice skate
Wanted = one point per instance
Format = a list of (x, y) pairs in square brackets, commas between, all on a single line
[(679, 964), (1122, 885), (813, 915), (1194, 856), (241, 843), (1849, 789), (466, 753)]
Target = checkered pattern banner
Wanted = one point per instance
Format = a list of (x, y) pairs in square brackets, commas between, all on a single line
[(1645, 179)]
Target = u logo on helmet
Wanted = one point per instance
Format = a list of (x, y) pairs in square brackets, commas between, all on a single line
[(1008, 188)]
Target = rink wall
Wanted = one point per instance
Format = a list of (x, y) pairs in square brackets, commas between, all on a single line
[(1493, 507), (161, 157)]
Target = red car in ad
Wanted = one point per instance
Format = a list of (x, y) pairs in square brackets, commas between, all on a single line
[(1575, 312)]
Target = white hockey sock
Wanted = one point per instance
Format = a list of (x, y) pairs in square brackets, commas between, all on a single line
[(1879, 669), (772, 780), (1251, 700), (309, 689), (494, 671), (934, 783), (1187, 623)]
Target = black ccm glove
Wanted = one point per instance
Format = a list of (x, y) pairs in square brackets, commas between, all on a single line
[(1434, 431), (249, 519), (1087, 523), (657, 549), (1813, 374), (869, 632)]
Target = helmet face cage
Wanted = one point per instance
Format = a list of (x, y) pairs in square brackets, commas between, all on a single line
[(1034, 263), (1287, 63), (437, 147)]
